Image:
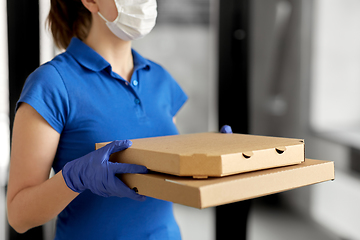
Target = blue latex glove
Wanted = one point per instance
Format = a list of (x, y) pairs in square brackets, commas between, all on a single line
[(226, 129), (95, 172)]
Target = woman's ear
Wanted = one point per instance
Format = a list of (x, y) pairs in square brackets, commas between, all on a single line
[(91, 5)]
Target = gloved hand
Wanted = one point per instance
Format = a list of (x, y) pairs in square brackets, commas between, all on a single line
[(226, 129), (95, 172)]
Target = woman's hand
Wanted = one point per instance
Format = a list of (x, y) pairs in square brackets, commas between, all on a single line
[(226, 129), (95, 172)]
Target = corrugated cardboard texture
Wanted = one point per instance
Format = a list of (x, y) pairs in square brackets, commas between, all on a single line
[(211, 154), (217, 191)]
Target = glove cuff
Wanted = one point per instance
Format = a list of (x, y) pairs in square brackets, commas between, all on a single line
[(66, 172)]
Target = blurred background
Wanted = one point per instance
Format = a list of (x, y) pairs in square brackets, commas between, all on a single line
[(288, 68)]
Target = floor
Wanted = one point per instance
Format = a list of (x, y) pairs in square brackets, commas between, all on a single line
[(268, 222)]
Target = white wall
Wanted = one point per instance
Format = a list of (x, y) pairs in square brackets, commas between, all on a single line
[(47, 48), (186, 52), (335, 86), (4, 117), (4, 97)]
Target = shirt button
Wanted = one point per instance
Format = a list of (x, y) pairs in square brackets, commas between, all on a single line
[(135, 82), (137, 101)]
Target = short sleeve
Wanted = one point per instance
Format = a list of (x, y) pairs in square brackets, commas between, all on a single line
[(179, 97), (45, 91)]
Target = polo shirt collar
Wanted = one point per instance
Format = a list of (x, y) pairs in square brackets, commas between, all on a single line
[(139, 61), (90, 59)]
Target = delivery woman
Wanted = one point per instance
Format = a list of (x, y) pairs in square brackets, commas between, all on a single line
[(98, 90)]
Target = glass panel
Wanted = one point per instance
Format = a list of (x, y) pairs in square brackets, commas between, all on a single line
[(335, 95)]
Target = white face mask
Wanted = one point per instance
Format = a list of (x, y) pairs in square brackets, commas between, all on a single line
[(136, 18)]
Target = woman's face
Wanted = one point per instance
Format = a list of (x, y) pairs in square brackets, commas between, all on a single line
[(108, 9)]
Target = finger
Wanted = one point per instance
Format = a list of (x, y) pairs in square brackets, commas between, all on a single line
[(119, 145), (226, 129), (140, 198), (127, 168), (125, 191)]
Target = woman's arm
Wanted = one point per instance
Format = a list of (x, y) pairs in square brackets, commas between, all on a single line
[(32, 198)]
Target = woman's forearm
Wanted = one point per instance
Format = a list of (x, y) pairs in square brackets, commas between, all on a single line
[(36, 205)]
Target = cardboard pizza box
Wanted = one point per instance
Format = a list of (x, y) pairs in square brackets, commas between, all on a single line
[(204, 193), (201, 155)]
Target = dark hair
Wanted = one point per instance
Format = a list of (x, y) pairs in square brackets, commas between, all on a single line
[(68, 19)]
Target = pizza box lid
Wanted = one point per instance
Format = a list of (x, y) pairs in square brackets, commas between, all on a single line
[(201, 155)]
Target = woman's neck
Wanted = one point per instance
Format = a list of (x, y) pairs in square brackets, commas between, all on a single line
[(114, 50)]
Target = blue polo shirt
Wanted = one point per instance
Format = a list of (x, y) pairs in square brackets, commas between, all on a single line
[(80, 96)]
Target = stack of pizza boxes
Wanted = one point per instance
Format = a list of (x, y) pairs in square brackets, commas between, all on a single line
[(209, 169)]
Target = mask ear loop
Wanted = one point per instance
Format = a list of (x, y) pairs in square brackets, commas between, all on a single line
[(103, 17), (117, 9)]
